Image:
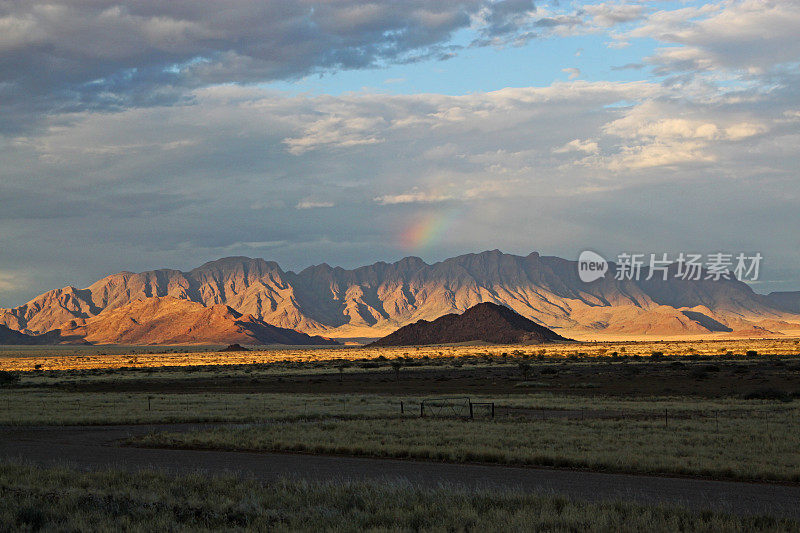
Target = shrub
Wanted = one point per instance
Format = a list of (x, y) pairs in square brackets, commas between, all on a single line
[(751, 353), (530, 384), (657, 355), (768, 394), (8, 379)]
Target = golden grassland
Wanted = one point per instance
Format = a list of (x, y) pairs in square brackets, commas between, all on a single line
[(40, 406), (34, 498), (735, 442), (41, 358), (726, 436), (50, 407)]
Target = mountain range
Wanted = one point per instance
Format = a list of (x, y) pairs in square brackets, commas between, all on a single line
[(374, 300)]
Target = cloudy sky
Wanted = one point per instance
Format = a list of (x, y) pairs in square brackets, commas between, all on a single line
[(149, 134)]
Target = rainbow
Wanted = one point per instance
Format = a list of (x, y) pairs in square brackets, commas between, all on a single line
[(428, 229)]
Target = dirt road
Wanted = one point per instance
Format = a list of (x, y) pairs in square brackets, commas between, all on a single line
[(97, 447)]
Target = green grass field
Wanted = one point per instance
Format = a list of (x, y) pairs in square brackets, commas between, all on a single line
[(60, 499)]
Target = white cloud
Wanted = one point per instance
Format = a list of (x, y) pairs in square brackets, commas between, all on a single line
[(577, 145), (412, 197), (573, 72), (336, 131), (659, 154), (747, 35), (608, 14), (312, 204), (469, 190), (656, 134), (12, 281)]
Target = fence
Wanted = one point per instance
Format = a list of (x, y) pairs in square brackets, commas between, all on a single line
[(454, 407)]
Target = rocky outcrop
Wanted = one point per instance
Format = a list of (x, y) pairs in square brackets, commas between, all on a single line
[(485, 322)]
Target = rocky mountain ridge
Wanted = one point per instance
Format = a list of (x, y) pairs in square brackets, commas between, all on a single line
[(169, 320), (374, 300)]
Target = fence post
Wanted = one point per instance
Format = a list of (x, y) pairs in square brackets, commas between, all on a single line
[(666, 418), (492, 409), (470, 411), (402, 411), (421, 410)]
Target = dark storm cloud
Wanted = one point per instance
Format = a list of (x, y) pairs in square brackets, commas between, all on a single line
[(508, 16), (58, 56)]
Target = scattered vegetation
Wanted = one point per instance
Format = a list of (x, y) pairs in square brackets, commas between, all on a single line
[(732, 443), (721, 409), (61, 499), (100, 357)]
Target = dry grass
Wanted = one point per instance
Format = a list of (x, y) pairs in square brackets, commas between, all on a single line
[(736, 444), (93, 357), (32, 406), (61, 499), (45, 407)]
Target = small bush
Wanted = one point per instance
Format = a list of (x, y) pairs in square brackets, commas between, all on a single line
[(584, 385), (8, 379), (768, 394), (657, 355), (532, 384), (751, 353)]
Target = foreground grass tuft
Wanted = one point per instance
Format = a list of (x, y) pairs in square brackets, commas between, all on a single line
[(33, 498)]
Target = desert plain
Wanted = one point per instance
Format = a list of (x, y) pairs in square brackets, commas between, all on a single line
[(697, 433)]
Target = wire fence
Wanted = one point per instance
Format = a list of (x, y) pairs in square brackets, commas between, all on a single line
[(65, 408)]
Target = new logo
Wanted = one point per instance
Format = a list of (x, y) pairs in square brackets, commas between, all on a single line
[(591, 266)]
